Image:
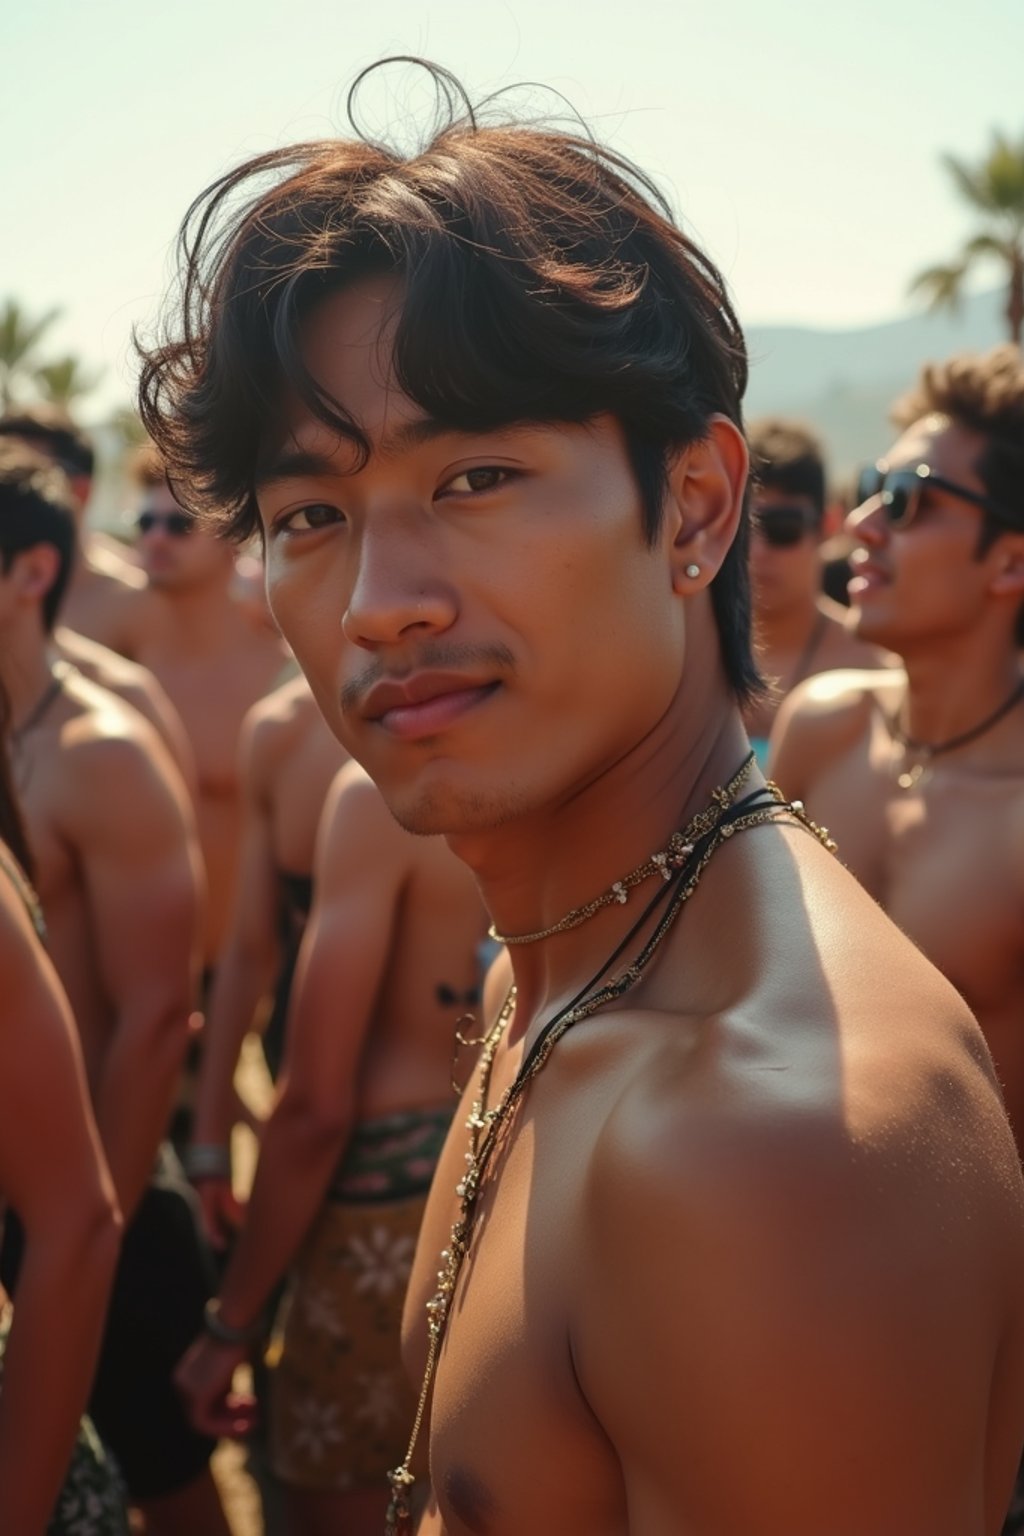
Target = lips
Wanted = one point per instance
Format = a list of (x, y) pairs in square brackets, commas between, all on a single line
[(425, 703), (866, 575)]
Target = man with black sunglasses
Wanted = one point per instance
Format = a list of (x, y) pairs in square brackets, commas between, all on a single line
[(920, 772), (799, 630), (212, 660)]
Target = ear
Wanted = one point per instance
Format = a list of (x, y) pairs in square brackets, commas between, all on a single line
[(706, 482), (33, 572), (1007, 556)]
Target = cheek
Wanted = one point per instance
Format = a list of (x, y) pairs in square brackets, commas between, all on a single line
[(307, 609)]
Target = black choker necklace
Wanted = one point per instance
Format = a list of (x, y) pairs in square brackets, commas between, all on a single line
[(925, 751)]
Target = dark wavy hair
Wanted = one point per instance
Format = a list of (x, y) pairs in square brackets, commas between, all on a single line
[(36, 507), (543, 280)]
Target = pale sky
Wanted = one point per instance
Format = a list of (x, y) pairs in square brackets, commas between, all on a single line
[(799, 141)]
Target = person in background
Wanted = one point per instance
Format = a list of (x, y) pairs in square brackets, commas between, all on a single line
[(53, 1466), (117, 870), (799, 631), (388, 962)]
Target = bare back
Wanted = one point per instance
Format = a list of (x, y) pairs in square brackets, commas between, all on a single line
[(945, 858), (679, 1173), (298, 759), (92, 774)]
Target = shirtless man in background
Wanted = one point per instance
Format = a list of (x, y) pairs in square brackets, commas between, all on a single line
[(732, 1191), (919, 772), (289, 759), (212, 662), (118, 876), (389, 960), (799, 631), (106, 577), (103, 586)]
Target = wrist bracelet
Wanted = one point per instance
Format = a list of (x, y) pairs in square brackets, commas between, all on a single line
[(218, 1329), (206, 1160)]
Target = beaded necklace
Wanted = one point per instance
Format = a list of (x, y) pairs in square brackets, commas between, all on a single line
[(704, 835)]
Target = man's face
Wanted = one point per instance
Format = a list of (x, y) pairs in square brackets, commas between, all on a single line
[(478, 614), (784, 576), (923, 582), (176, 554)]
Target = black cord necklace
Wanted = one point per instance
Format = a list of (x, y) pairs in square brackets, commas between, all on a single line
[(926, 750), (42, 706)]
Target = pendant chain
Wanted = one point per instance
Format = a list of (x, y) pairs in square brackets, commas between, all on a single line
[(665, 864), (703, 836)]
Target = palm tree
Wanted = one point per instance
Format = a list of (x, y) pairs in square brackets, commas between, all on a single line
[(19, 337), (63, 381), (994, 187)]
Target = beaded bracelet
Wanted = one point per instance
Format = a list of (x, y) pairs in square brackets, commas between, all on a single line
[(223, 1332)]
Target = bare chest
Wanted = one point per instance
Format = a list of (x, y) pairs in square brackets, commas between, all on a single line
[(212, 695), (505, 1395), (940, 858)]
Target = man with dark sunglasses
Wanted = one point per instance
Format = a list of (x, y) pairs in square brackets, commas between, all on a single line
[(212, 660), (919, 773), (799, 630)]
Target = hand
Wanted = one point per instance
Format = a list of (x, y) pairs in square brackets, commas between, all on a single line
[(203, 1377), (223, 1213)]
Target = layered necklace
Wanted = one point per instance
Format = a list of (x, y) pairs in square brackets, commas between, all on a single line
[(681, 865), (915, 757)]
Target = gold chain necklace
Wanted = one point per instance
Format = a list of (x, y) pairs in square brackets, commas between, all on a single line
[(665, 864), (485, 1125)]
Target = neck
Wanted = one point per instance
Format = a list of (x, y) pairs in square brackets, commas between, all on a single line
[(205, 614), (540, 867), (952, 688), (25, 669), (786, 631)]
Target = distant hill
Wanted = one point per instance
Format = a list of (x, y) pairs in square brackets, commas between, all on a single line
[(843, 382)]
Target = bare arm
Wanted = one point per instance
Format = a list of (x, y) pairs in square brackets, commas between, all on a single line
[(136, 842), (785, 1333), (52, 1170), (244, 972), (360, 869)]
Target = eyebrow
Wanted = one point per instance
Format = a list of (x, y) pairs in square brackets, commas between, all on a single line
[(295, 463)]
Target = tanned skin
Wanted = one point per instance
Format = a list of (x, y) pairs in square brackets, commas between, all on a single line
[(945, 858), (396, 920), (767, 1208), (789, 605), (289, 759), (52, 1169), (135, 686), (214, 665)]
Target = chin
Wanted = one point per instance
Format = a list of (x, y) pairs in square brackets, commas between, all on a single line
[(873, 628), (446, 810)]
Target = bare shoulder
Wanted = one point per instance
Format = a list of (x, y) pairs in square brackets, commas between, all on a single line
[(356, 817), (823, 1111), (828, 712), (114, 762), (274, 725)]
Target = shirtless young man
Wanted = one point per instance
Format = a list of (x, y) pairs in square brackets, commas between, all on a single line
[(105, 579), (932, 826), (212, 663), (799, 631), (117, 872), (388, 962), (103, 587), (744, 1259), (289, 759)]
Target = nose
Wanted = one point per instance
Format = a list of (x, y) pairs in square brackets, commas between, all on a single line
[(867, 523), (402, 587)]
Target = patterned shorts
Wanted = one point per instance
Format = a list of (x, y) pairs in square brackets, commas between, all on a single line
[(91, 1501), (340, 1404)]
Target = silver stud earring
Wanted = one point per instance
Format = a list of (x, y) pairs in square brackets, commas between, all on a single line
[(693, 571)]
